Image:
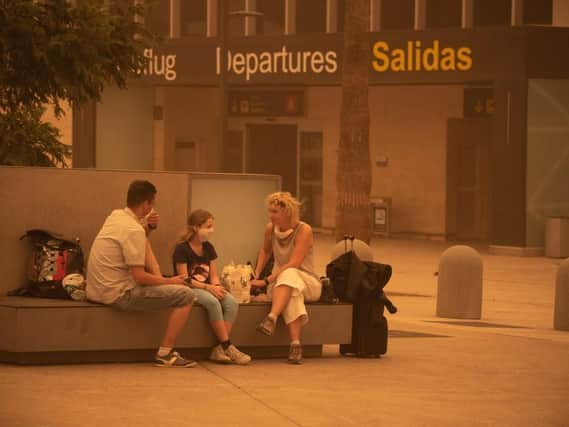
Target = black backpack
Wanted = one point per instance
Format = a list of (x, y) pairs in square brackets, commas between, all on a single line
[(52, 258)]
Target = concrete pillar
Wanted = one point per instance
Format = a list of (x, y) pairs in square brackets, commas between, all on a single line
[(561, 311), (459, 292), (362, 249)]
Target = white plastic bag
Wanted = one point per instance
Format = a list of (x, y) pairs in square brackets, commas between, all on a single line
[(75, 284), (237, 279)]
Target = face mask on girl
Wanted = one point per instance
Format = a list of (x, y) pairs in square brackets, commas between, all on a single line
[(204, 234)]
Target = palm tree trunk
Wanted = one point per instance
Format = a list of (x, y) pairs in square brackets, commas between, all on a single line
[(353, 179)]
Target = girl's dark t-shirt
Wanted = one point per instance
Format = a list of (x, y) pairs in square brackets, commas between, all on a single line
[(198, 266)]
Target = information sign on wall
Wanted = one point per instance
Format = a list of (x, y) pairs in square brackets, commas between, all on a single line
[(266, 103)]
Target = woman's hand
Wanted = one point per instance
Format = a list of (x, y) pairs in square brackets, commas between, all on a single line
[(217, 291), (260, 283)]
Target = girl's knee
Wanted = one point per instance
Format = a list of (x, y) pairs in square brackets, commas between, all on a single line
[(209, 301), (229, 301), (230, 308)]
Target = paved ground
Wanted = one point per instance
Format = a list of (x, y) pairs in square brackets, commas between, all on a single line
[(511, 369)]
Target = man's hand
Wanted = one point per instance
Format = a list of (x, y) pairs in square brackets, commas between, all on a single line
[(177, 280), (152, 220), (145, 278)]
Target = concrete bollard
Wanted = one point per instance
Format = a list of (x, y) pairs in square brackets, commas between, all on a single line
[(561, 311), (459, 293), (361, 248)]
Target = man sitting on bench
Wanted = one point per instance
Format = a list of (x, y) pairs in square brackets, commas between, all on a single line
[(122, 270)]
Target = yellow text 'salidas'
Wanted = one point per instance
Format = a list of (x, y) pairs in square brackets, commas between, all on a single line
[(417, 57)]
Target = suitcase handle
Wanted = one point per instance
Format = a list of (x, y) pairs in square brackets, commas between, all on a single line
[(351, 238)]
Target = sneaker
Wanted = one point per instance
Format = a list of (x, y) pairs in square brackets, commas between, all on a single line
[(236, 356), (267, 326), (295, 354), (218, 355), (173, 360)]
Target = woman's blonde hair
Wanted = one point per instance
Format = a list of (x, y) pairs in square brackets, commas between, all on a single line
[(286, 201), (196, 218)]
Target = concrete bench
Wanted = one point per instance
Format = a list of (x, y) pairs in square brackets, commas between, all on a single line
[(54, 331), (43, 331)]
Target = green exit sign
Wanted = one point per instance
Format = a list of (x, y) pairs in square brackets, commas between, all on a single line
[(479, 102)]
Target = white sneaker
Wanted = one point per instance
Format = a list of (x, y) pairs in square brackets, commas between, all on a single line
[(237, 356), (218, 355)]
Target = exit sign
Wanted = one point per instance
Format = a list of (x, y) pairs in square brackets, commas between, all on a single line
[(479, 102), (265, 103)]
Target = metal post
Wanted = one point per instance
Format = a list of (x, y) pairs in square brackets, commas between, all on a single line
[(420, 14), (222, 10), (467, 13)]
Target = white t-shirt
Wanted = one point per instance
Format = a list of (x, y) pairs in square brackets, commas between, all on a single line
[(120, 244)]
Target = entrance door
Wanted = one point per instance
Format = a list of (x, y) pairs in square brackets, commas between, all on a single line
[(468, 178), (272, 149)]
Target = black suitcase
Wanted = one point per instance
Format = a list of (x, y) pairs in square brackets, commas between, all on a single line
[(369, 328), (362, 283)]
